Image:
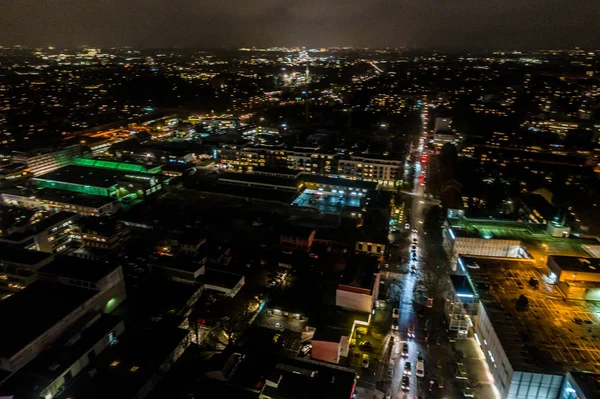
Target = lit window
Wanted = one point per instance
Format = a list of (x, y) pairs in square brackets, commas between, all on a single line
[(134, 369), (115, 363)]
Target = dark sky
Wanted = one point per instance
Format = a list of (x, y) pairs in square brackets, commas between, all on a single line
[(517, 24)]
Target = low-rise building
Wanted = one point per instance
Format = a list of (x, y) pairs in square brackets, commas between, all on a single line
[(68, 291)]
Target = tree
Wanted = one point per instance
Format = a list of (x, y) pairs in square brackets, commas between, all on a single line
[(522, 303), (434, 277), (228, 329)]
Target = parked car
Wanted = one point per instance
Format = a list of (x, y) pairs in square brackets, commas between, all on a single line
[(306, 348), (420, 366), (405, 383), (365, 361), (366, 345)]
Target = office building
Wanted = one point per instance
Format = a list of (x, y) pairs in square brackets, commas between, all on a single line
[(529, 333), (103, 182), (44, 161), (47, 309)]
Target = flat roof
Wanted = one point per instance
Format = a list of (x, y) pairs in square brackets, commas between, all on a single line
[(257, 178), (588, 383), (17, 255), (88, 176), (73, 198), (123, 369), (577, 264), (554, 335), (338, 182), (299, 378), (360, 271), (461, 285), (49, 365), (221, 278), (35, 309), (77, 268)]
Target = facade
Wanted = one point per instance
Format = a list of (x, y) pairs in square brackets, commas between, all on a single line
[(59, 200), (52, 234), (66, 294), (300, 238), (18, 267), (39, 380), (100, 181), (528, 347), (41, 162), (371, 168)]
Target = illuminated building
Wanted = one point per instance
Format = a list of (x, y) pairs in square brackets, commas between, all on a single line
[(52, 234), (371, 168), (60, 200), (45, 161), (100, 181), (67, 294), (528, 344)]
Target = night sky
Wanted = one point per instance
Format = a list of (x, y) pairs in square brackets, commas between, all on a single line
[(497, 24)]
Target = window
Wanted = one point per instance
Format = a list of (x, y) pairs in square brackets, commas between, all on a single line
[(370, 248), (379, 249)]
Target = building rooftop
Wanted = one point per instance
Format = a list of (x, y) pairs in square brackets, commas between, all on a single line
[(49, 365), (73, 198), (577, 264), (221, 278), (16, 255), (116, 165), (44, 304), (241, 178), (301, 378), (75, 268), (356, 184), (588, 383), (553, 335), (123, 369), (360, 271), (88, 176), (461, 285)]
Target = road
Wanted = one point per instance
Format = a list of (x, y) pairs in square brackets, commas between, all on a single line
[(408, 317)]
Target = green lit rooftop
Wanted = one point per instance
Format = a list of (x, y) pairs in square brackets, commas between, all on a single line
[(109, 164)]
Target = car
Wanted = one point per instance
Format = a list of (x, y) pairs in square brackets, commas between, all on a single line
[(415, 240), (414, 258), (286, 251), (306, 348), (314, 256), (407, 368), (468, 392), (414, 231), (365, 344), (406, 226), (405, 350), (365, 361), (414, 247), (405, 383), (395, 327), (411, 331), (413, 269), (420, 366), (396, 313)]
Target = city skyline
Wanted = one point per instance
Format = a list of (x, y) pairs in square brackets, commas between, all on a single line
[(210, 24)]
